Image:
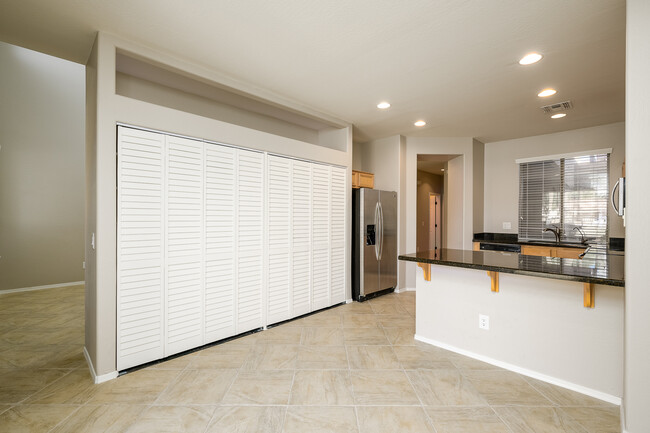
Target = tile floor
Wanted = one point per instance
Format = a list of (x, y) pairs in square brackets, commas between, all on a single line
[(353, 368)]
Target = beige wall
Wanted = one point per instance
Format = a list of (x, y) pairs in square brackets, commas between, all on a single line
[(41, 169), (454, 203), (536, 324), (385, 158), (637, 128), (502, 173), (428, 183), (105, 109)]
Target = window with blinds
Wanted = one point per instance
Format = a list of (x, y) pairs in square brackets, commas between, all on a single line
[(569, 194)]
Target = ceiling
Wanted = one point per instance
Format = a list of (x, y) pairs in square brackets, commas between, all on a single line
[(434, 163), (452, 63)]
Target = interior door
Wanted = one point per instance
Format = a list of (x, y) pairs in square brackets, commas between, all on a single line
[(388, 250), (369, 232)]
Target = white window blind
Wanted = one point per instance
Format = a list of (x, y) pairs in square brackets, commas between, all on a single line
[(569, 194)]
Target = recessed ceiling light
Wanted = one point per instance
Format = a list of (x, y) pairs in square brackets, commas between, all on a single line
[(558, 116), (530, 58), (547, 92), (420, 123), (442, 169), (383, 105)]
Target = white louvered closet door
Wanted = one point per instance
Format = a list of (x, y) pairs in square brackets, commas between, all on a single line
[(337, 234), (140, 247), (300, 238), (184, 291), (279, 238), (320, 182), (250, 241), (220, 253)]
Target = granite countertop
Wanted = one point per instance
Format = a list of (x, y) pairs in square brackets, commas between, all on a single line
[(615, 244), (596, 267)]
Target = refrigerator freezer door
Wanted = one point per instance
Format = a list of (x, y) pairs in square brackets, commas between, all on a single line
[(369, 278), (388, 236)]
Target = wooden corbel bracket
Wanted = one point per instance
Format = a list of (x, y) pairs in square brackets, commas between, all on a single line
[(588, 292), (426, 267), (494, 277)]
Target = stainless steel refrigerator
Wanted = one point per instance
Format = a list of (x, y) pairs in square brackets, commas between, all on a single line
[(374, 242)]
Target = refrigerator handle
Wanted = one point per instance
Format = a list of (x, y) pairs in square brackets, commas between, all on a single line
[(381, 230), (612, 197), (377, 238)]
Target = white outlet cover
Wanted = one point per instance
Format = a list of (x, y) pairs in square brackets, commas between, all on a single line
[(484, 322), (507, 225)]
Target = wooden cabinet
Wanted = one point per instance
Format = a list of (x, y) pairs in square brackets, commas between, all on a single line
[(562, 252), (361, 179)]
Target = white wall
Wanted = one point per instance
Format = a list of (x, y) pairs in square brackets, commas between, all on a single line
[(41, 169), (536, 324), (502, 173), (637, 129), (105, 109)]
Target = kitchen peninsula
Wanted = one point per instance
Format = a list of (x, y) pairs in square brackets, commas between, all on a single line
[(558, 320)]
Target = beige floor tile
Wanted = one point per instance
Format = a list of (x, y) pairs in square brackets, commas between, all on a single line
[(322, 388), (247, 419), (396, 320), (355, 308), (39, 356), (372, 357), (360, 321), (382, 387), (365, 336), (563, 396), (322, 336), (322, 357), (444, 388), (221, 356), (140, 387), (320, 420), (387, 307), (466, 363), (414, 357), (393, 419), (4, 407), (401, 336), (76, 387), (100, 419), (198, 387), (505, 388), (280, 335), (173, 419), (260, 387), (327, 319), (596, 419), (538, 420), (272, 357), (34, 418), (179, 363), (410, 309), (466, 420), (18, 384)]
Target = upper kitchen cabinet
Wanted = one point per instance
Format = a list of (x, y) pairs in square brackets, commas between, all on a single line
[(361, 179)]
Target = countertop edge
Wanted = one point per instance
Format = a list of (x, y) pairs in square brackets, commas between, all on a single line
[(577, 278)]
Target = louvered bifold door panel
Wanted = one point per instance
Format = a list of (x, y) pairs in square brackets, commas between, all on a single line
[(140, 247), (337, 235), (184, 291), (219, 312), (300, 238), (279, 238), (250, 244), (320, 182)]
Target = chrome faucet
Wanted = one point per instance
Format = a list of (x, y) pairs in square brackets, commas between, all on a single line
[(583, 240), (557, 231)]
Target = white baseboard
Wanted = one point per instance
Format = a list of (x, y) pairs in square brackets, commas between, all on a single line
[(530, 373), (49, 286), (405, 289), (98, 379)]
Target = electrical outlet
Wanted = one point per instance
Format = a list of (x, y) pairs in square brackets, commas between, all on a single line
[(507, 225), (484, 322), (83, 265)]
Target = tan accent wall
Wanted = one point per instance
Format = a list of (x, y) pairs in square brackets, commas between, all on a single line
[(41, 169), (428, 183)]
